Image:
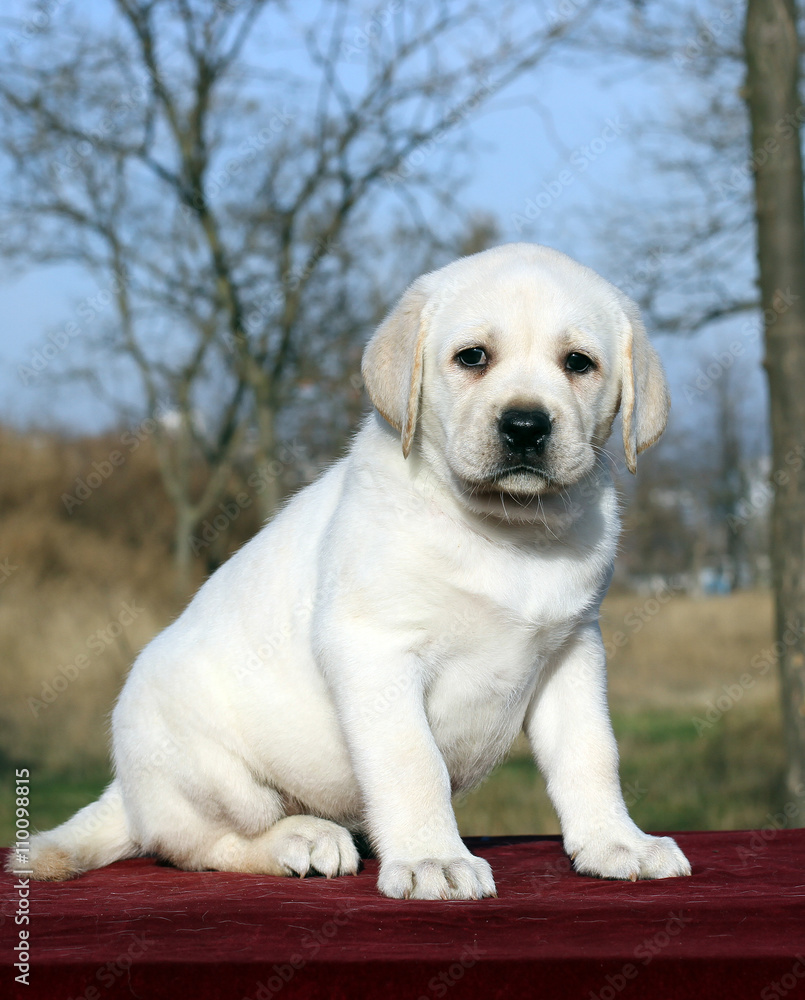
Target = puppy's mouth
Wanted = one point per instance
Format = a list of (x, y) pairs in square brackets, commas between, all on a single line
[(523, 480)]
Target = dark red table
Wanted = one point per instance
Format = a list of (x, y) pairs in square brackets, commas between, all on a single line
[(735, 929)]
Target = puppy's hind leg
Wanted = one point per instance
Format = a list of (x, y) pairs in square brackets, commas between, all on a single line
[(295, 845), (240, 831)]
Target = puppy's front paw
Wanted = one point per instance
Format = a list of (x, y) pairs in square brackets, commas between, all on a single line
[(437, 878), (648, 857)]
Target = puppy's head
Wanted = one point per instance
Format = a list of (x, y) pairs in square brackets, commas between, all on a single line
[(509, 367)]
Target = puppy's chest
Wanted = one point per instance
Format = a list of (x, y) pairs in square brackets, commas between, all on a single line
[(493, 632), (499, 598), (483, 658)]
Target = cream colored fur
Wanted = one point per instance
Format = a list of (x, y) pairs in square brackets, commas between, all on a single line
[(380, 643)]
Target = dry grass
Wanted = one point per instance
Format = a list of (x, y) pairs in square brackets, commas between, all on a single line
[(95, 581), (83, 591), (681, 652)]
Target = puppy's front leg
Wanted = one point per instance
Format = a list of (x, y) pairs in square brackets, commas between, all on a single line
[(403, 780), (571, 736)]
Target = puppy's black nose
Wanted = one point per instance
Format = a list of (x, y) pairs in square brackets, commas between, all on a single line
[(525, 430)]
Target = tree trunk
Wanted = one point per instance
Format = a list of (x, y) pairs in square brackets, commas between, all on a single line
[(772, 57)]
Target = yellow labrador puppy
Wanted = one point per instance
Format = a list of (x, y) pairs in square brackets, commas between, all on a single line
[(377, 647)]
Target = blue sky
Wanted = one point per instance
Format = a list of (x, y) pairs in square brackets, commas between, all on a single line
[(548, 165)]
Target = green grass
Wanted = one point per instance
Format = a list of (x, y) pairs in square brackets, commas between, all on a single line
[(727, 777), (54, 796)]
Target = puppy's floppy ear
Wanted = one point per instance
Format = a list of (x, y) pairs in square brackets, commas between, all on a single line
[(644, 391), (393, 360)]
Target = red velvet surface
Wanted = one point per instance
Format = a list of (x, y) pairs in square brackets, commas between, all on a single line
[(735, 929)]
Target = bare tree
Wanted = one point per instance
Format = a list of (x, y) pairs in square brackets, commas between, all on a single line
[(228, 191), (682, 240)]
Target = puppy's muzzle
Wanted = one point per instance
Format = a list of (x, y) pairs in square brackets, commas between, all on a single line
[(524, 432)]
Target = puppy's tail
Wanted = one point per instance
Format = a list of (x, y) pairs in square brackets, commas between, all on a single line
[(96, 836)]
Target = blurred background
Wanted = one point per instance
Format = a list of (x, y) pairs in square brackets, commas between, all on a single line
[(206, 207)]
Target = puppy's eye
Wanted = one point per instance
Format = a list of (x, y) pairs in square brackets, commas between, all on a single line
[(578, 362), (472, 357)]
